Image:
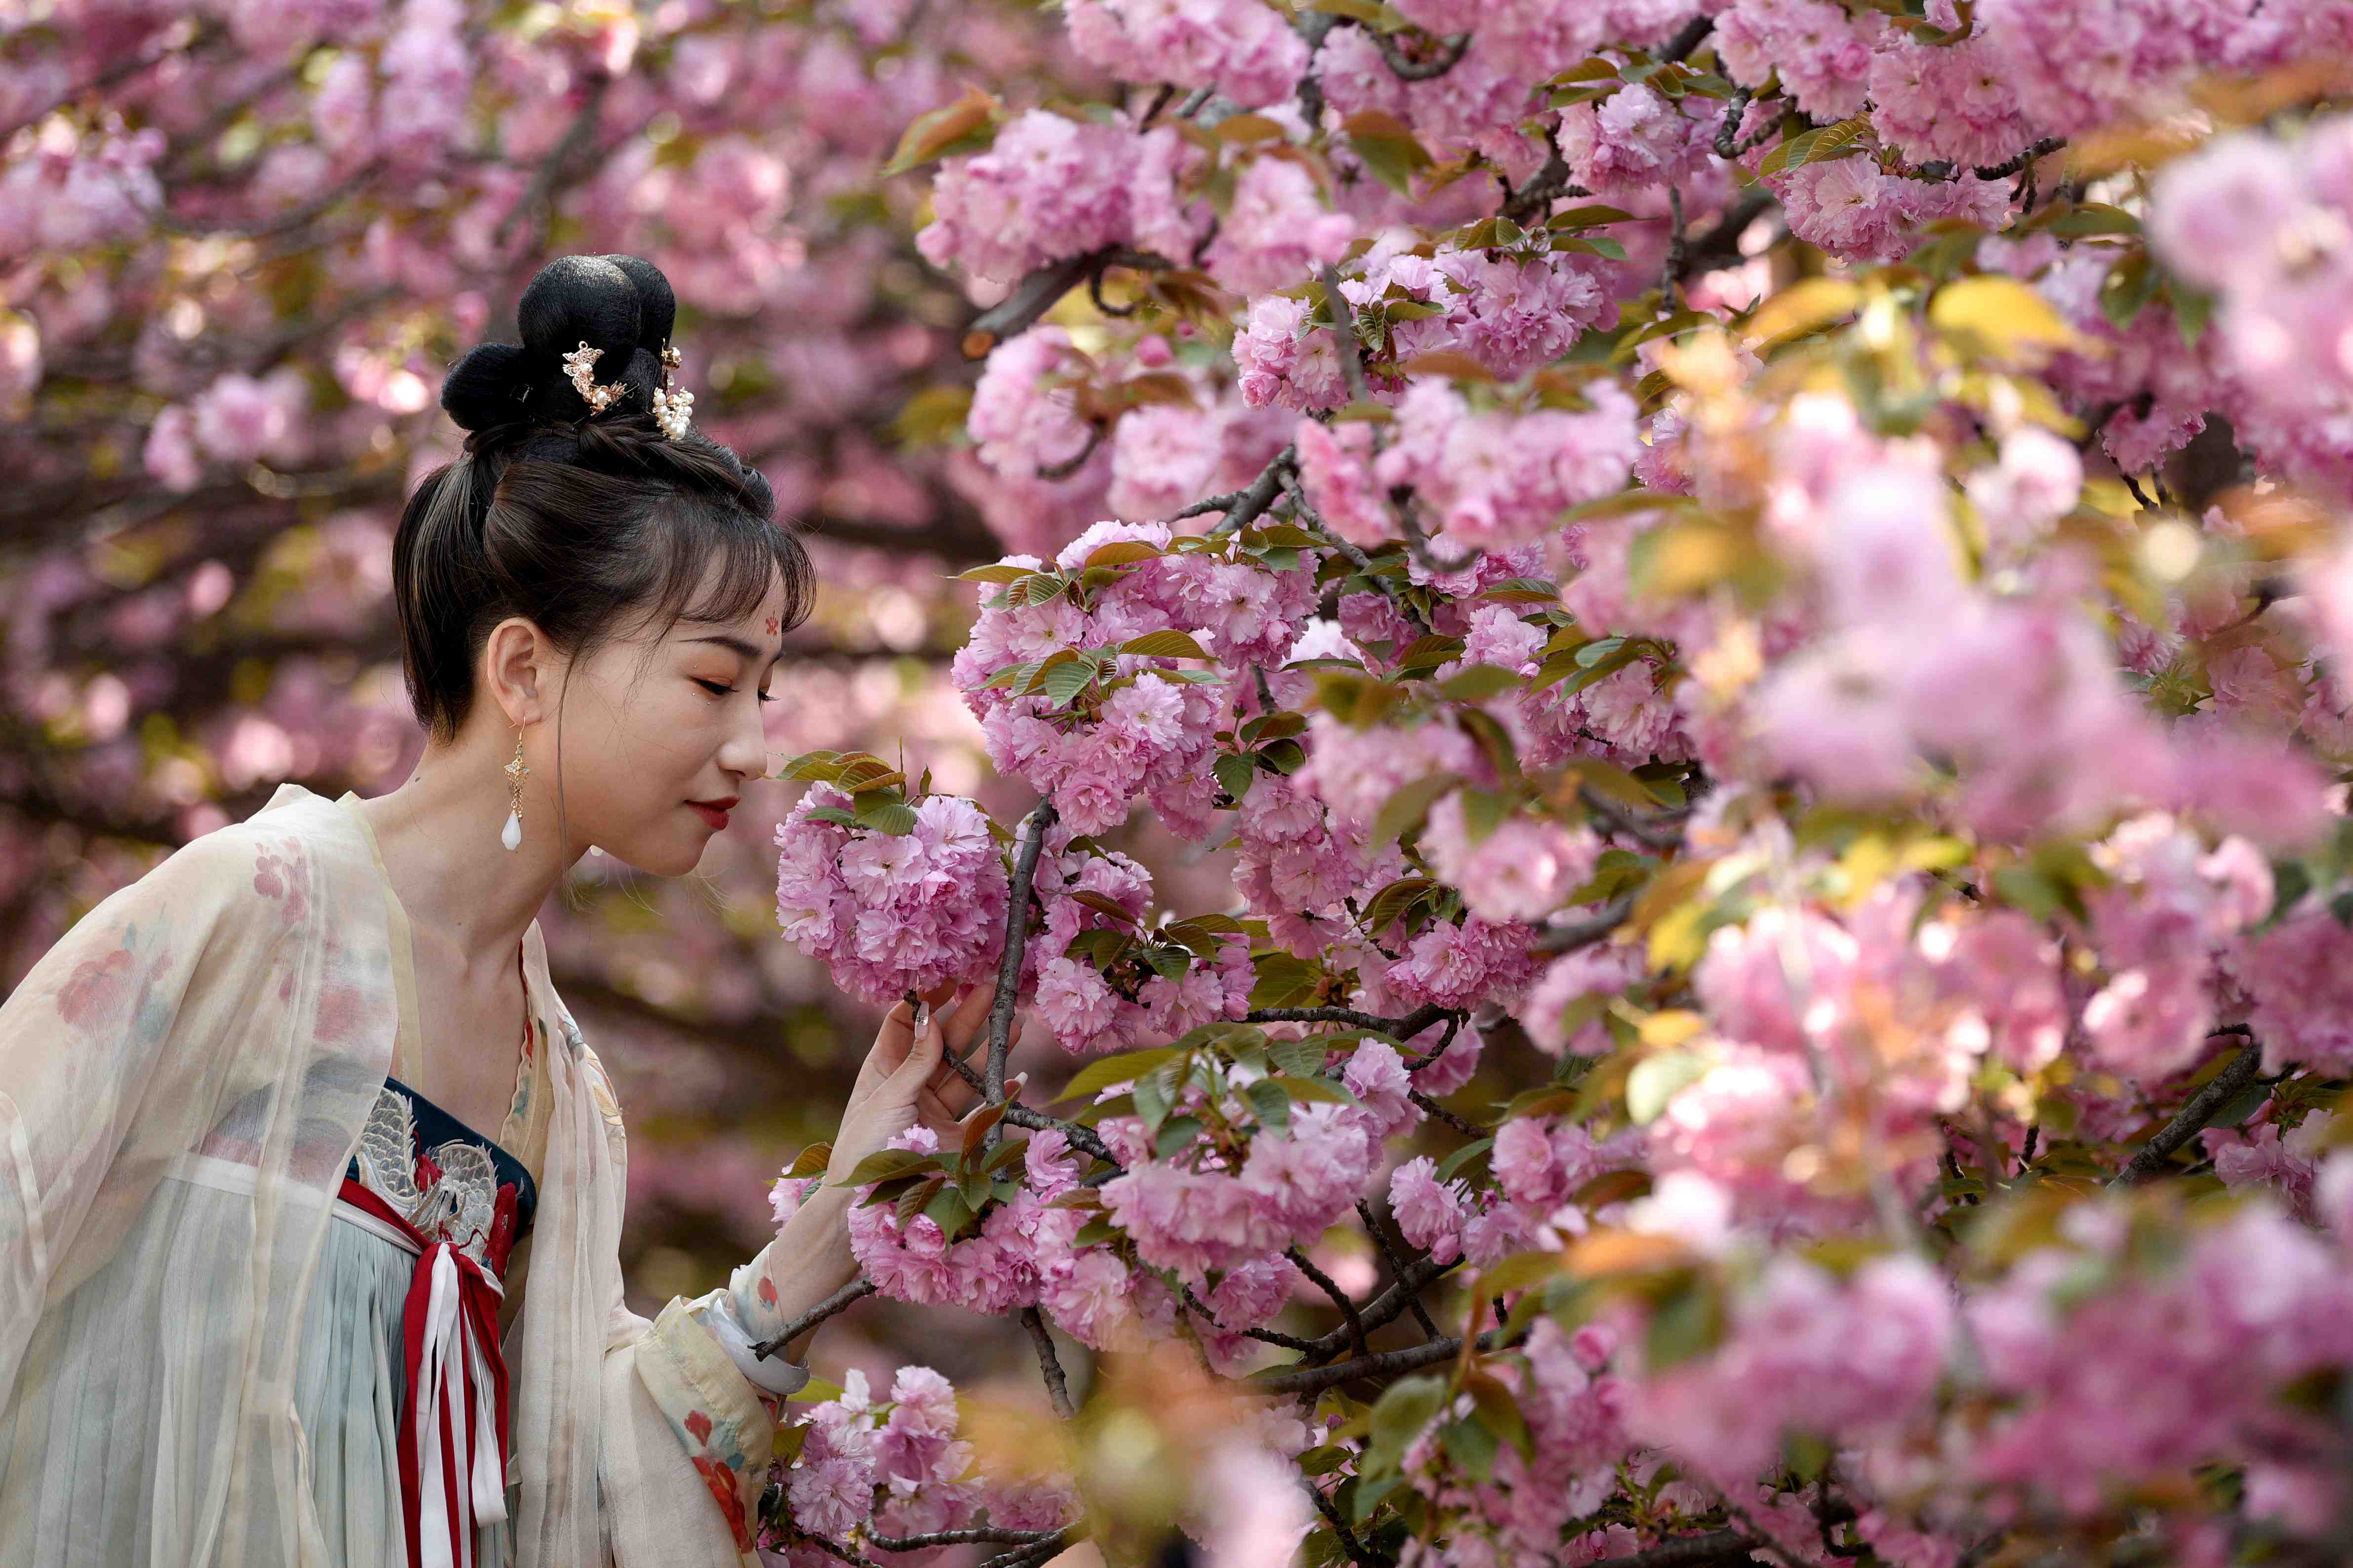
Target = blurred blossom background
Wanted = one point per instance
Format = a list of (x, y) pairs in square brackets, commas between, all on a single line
[(240, 244)]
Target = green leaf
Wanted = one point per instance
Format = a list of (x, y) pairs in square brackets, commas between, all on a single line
[(1404, 1407), (1406, 806), (1101, 1074), (1235, 772), (1687, 1324), (1283, 756), (1284, 979), (1395, 902), (2130, 284), (1315, 1089), (1388, 147), (1477, 682), (1153, 1097), (1454, 1163), (1271, 1105), (886, 813), (1656, 1079), (1065, 681), (949, 1211), (1175, 1133), (1164, 644), (1300, 1058), (1468, 1442), (885, 1163), (1588, 217)]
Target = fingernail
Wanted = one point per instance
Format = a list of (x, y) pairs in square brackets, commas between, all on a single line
[(922, 1016)]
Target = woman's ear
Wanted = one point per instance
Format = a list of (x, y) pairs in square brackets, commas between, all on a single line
[(517, 668)]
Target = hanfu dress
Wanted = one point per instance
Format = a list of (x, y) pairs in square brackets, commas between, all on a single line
[(251, 1282)]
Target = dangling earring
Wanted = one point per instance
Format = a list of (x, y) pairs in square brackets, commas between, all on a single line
[(511, 835)]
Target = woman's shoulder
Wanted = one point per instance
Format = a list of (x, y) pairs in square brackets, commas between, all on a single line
[(281, 866)]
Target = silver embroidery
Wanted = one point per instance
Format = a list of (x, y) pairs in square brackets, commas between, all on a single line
[(388, 1152), (459, 1205)]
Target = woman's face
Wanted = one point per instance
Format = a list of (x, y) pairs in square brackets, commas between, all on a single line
[(654, 724)]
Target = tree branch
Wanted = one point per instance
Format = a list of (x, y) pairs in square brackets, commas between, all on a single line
[(1049, 1365), (1399, 1030), (2193, 1115), (1397, 1264), (1449, 56), (1251, 504), (1017, 937), (1657, 832), (978, 1535), (1325, 1283), (1689, 1551), (1586, 932), (856, 1291), (1344, 330)]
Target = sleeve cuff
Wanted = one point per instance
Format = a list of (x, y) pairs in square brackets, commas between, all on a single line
[(773, 1376)]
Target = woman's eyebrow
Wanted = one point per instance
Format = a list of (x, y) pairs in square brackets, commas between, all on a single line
[(737, 644)]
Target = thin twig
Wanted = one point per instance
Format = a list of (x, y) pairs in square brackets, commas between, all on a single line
[(1658, 832), (1398, 1029), (1069, 466), (976, 1536), (1316, 1379), (1397, 1266), (1689, 1551), (1326, 1284), (1469, 1129), (1265, 1336), (1594, 928), (835, 1549), (1057, 1388), (1453, 1028), (1390, 1304), (856, 1291), (1449, 55), (1728, 130), (1547, 183), (1681, 46), (1040, 1552), (1032, 839), (1340, 1531), (2200, 1110), (1672, 268), (2007, 167), (1251, 504), (1344, 331)]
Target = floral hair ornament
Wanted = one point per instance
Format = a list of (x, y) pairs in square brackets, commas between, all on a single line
[(580, 364), (672, 407)]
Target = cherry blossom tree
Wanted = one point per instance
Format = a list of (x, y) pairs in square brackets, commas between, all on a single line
[(1753, 590)]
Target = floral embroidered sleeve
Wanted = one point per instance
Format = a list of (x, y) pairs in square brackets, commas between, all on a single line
[(725, 1421)]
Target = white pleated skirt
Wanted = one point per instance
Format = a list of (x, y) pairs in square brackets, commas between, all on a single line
[(80, 1462)]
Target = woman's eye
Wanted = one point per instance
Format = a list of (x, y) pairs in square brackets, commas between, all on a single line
[(714, 688), (768, 697)]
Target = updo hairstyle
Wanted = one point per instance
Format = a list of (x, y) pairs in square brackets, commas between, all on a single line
[(590, 524)]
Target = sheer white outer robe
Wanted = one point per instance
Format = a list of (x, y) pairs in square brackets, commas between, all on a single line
[(242, 1001)]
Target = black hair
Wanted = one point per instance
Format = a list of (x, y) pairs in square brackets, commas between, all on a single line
[(589, 523)]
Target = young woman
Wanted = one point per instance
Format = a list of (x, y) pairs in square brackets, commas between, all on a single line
[(310, 1188)]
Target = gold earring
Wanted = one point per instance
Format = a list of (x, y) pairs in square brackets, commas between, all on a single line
[(511, 835)]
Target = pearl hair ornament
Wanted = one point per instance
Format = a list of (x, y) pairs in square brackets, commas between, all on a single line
[(673, 407)]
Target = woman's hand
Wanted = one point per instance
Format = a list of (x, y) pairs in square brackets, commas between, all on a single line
[(907, 1078)]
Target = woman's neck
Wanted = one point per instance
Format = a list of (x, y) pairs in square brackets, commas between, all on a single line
[(460, 889)]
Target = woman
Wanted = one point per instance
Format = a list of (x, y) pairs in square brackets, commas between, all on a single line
[(310, 1188)]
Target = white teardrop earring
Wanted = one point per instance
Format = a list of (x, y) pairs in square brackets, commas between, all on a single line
[(511, 834)]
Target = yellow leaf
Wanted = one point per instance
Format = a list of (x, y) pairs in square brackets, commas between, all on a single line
[(1803, 305), (2000, 313), (932, 133), (1672, 1027)]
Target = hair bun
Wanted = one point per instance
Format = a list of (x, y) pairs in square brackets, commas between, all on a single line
[(619, 304)]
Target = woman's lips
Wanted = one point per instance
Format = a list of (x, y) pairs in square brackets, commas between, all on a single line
[(710, 814)]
